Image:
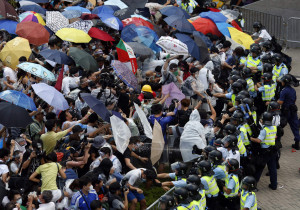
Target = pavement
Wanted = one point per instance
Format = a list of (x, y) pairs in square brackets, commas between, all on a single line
[(286, 197)]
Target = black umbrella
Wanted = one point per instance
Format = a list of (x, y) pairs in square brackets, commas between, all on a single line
[(141, 49), (14, 116), (159, 31), (133, 5), (202, 47)]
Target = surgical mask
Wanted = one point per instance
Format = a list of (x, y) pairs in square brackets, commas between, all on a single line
[(91, 187), (19, 201), (175, 73), (138, 144), (143, 180), (81, 136), (39, 200), (8, 160), (93, 47), (133, 149)]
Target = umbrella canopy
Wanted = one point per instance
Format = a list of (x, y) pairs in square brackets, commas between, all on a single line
[(13, 50), (217, 17), (52, 96), (230, 14), (72, 14), (18, 98), (56, 21), (125, 74), (121, 133), (169, 11), (56, 56), (86, 16), (9, 25), (39, 1), (180, 24), (96, 105), (192, 46), (112, 21), (241, 37), (7, 11), (37, 70), (158, 143), (83, 25), (34, 32), (223, 28), (173, 91), (159, 31), (206, 26), (78, 8), (138, 22), (146, 125), (31, 6), (105, 10), (83, 59), (172, 45), (140, 49), (202, 47), (31, 16), (99, 34), (233, 43), (14, 116), (73, 35), (118, 3), (204, 38)]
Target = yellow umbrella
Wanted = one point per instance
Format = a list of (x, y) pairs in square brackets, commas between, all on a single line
[(240, 37), (73, 35), (93, 2), (13, 50)]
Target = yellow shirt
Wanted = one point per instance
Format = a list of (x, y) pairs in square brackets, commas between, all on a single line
[(50, 138), (48, 172)]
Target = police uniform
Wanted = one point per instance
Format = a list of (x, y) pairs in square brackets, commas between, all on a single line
[(211, 191), (220, 172), (189, 7), (250, 87), (268, 92), (231, 200), (279, 71), (248, 200)]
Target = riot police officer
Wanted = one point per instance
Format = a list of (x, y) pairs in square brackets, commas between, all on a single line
[(166, 202), (247, 196), (194, 179), (219, 169), (279, 68), (182, 198), (195, 197)]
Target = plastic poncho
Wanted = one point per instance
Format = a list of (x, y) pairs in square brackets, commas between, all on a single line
[(193, 134)]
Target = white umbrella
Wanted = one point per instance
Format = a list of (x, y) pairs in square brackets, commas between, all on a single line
[(52, 96), (118, 3), (172, 46), (158, 143), (144, 121), (56, 21), (121, 133), (84, 25)]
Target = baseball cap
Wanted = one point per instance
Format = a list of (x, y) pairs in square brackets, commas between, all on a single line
[(76, 129), (99, 141)]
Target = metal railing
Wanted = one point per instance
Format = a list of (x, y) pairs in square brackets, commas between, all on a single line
[(293, 30), (155, 205)]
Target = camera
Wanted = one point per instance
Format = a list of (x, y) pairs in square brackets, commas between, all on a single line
[(124, 184), (196, 150)]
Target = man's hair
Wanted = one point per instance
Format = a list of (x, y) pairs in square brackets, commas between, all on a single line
[(50, 116), (134, 139), (73, 70), (156, 109), (93, 118), (4, 152), (226, 44), (173, 66), (106, 150), (185, 102), (50, 124), (150, 174), (47, 196), (22, 59), (203, 114), (83, 181), (95, 204)]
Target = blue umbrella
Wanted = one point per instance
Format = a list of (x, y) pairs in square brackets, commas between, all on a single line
[(192, 46), (169, 11), (180, 24), (18, 98), (204, 38), (38, 1), (112, 21), (33, 7), (217, 17), (9, 25), (37, 70), (56, 56), (202, 47), (105, 10), (49, 30), (71, 14), (223, 28), (78, 8)]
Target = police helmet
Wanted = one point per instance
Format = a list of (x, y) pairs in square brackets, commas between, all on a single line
[(248, 101), (194, 179), (267, 44), (208, 149), (247, 52), (243, 82), (181, 194), (287, 79), (235, 77), (268, 68), (230, 141), (229, 129), (193, 190), (255, 49), (168, 200), (182, 169), (274, 107), (267, 77), (257, 25), (234, 72), (245, 93), (205, 167), (277, 58), (247, 72), (240, 97), (215, 157), (250, 182), (218, 142), (232, 165), (267, 118), (266, 58), (236, 87), (237, 116)]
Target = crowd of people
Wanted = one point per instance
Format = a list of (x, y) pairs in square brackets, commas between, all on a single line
[(217, 139)]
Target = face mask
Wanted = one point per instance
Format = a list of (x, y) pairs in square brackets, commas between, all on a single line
[(175, 73), (39, 200), (197, 74), (93, 47), (81, 136), (91, 187), (133, 149), (19, 201), (8, 160), (138, 144), (143, 180)]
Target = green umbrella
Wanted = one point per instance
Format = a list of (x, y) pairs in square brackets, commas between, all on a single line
[(83, 59)]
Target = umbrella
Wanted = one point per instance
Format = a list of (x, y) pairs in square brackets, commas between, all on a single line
[(180, 24), (138, 22), (159, 31), (174, 92), (206, 26), (135, 3), (86, 16), (14, 116), (234, 24), (169, 11), (230, 14), (78, 8), (121, 133), (202, 47), (125, 74), (52, 96), (233, 43), (73, 35), (96, 105), (13, 50), (140, 16), (146, 125), (83, 59), (18, 98), (99, 34), (217, 17), (118, 3), (158, 143), (105, 10), (34, 32), (56, 21), (72, 14), (7, 11), (140, 49), (83, 25), (112, 21), (31, 6), (37, 70), (38, 1), (223, 28), (172, 45), (56, 56), (9, 25), (192, 46), (31, 16), (241, 37), (204, 38)]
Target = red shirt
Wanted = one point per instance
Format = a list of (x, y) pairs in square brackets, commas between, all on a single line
[(141, 96)]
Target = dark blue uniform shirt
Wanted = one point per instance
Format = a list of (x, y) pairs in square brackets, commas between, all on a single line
[(288, 96)]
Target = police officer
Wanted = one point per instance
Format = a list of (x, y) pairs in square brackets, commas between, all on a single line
[(279, 68), (268, 152), (179, 176), (195, 197), (267, 48), (253, 61), (166, 202), (247, 196), (267, 88), (194, 179), (267, 58), (215, 157), (230, 143), (236, 87), (181, 198), (247, 75), (289, 109), (267, 68), (207, 150)]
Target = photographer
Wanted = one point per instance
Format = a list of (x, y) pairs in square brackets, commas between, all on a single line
[(114, 197)]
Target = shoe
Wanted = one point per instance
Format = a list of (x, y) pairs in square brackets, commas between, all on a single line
[(296, 145), (272, 188), (268, 174)]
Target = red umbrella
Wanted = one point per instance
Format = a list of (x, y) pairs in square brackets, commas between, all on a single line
[(138, 22), (86, 16), (234, 24), (99, 34), (7, 11), (206, 26), (34, 32)]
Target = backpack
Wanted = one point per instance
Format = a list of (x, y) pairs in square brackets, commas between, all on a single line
[(186, 88)]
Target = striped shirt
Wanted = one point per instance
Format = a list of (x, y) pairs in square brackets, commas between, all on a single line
[(78, 202)]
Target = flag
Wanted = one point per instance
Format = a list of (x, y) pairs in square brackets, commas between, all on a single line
[(59, 80), (126, 54)]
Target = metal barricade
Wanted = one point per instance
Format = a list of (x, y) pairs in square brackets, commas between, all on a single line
[(154, 206), (293, 30)]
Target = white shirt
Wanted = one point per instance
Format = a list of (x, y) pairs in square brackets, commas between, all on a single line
[(47, 206), (263, 34), (236, 156), (8, 72), (69, 82), (79, 105), (134, 177), (3, 168)]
